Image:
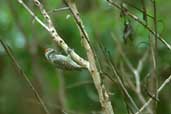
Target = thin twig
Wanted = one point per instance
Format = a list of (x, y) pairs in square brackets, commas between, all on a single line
[(139, 68), (33, 15), (78, 84), (153, 48), (142, 23), (142, 11), (58, 10), (136, 71), (21, 72), (158, 91), (117, 74)]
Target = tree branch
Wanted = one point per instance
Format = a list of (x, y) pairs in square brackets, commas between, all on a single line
[(51, 29), (102, 92), (142, 23), (22, 73), (158, 91)]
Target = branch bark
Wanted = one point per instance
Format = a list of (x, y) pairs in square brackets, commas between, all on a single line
[(103, 95)]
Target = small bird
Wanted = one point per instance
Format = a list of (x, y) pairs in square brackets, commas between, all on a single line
[(61, 61)]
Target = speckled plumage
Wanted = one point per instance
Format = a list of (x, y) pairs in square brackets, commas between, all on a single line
[(61, 61)]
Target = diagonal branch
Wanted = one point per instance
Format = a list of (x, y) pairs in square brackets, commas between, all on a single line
[(136, 71), (22, 73), (51, 29), (158, 91), (142, 23)]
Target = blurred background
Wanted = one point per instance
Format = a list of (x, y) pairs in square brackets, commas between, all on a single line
[(73, 92)]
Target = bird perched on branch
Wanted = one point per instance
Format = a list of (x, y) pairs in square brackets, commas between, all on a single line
[(61, 61)]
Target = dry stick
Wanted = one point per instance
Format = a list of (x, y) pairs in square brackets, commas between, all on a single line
[(136, 71), (25, 76), (36, 69), (103, 95), (153, 47), (50, 28), (142, 23), (158, 91), (155, 22), (117, 74), (33, 15), (139, 69), (146, 26), (59, 10), (142, 11)]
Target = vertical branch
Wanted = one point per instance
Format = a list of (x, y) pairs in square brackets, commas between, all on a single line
[(155, 22), (153, 79), (22, 73), (144, 10), (153, 44), (103, 95), (62, 94), (155, 40)]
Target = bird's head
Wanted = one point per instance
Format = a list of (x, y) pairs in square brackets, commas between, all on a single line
[(48, 52)]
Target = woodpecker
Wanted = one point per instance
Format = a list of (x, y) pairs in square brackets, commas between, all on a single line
[(61, 61)]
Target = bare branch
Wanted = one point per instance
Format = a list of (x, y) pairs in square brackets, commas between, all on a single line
[(103, 94), (142, 23), (158, 91), (136, 71), (116, 73), (50, 28), (22, 73)]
